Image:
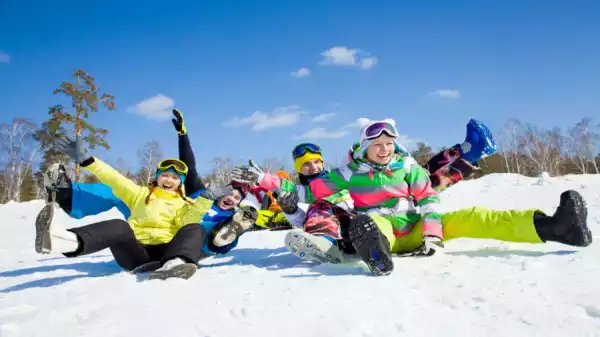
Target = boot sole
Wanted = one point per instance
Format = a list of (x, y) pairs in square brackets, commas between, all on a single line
[(302, 245), (584, 234), (183, 271), (228, 234), (43, 222), (372, 248)]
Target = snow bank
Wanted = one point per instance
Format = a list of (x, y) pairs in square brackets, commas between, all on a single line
[(477, 288)]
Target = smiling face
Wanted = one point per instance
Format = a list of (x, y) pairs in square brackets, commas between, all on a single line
[(230, 201), (381, 150), (313, 166), (168, 181)]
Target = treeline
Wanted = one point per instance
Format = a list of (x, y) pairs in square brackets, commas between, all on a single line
[(530, 150), (27, 149)]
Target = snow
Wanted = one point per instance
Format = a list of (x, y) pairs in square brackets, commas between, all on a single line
[(476, 288)]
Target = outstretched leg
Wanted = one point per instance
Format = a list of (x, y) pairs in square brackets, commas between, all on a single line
[(79, 199), (568, 225), (115, 234), (460, 161)]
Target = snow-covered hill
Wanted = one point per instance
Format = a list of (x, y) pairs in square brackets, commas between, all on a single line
[(477, 288)]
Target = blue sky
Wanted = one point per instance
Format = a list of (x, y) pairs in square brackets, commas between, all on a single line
[(431, 65)]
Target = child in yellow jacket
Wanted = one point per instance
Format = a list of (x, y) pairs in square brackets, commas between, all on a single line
[(162, 226)]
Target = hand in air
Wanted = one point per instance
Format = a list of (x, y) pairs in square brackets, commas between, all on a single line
[(251, 174)]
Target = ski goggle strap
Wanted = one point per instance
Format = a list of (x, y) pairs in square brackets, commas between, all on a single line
[(176, 164), (301, 149), (376, 129)]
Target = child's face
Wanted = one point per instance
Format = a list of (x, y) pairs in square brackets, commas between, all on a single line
[(229, 202), (312, 166), (168, 181), (381, 150)]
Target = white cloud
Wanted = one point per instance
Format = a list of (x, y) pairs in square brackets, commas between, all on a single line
[(156, 107), (355, 124), (279, 117), (447, 93), (4, 57), (368, 62), (321, 133), (342, 56), (324, 117), (302, 72)]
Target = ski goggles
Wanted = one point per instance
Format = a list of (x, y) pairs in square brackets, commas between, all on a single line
[(301, 149), (376, 129), (176, 164)]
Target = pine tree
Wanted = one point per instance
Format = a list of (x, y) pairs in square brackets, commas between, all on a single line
[(85, 97)]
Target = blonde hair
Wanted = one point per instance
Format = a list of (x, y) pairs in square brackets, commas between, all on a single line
[(154, 185)]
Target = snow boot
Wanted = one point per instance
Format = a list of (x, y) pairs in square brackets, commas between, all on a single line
[(230, 230), (174, 268), (568, 225), (146, 267), (371, 245), (48, 239), (59, 187), (479, 142), (315, 248)]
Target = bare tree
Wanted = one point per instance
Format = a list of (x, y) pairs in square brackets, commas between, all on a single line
[(514, 133), (504, 145), (150, 155), (583, 144), (18, 150), (558, 149), (543, 148), (272, 164), (221, 172)]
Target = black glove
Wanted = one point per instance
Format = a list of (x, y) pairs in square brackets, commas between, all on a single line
[(72, 147), (178, 122), (216, 192), (288, 201)]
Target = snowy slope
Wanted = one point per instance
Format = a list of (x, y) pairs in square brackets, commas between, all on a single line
[(477, 288)]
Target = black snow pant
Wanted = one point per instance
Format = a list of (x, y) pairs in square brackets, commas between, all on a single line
[(128, 252)]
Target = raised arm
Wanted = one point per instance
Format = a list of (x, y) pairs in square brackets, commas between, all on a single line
[(122, 187), (192, 183)]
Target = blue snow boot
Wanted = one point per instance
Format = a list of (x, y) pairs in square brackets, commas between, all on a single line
[(479, 142)]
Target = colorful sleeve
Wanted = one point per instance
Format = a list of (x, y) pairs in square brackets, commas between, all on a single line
[(334, 182), (122, 187), (272, 182), (426, 197)]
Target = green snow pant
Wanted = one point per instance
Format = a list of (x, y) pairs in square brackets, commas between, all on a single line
[(475, 222)]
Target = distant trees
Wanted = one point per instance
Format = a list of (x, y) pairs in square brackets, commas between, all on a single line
[(18, 150), (149, 155), (26, 149)]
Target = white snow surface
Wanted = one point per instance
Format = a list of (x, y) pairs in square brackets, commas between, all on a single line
[(476, 288)]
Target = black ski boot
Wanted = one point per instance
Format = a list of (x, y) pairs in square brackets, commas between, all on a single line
[(568, 225), (59, 187), (371, 245)]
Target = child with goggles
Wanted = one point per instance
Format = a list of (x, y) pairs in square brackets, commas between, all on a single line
[(369, 206), (161, 231)]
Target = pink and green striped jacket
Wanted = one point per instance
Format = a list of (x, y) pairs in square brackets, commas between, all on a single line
[(390, 192)]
